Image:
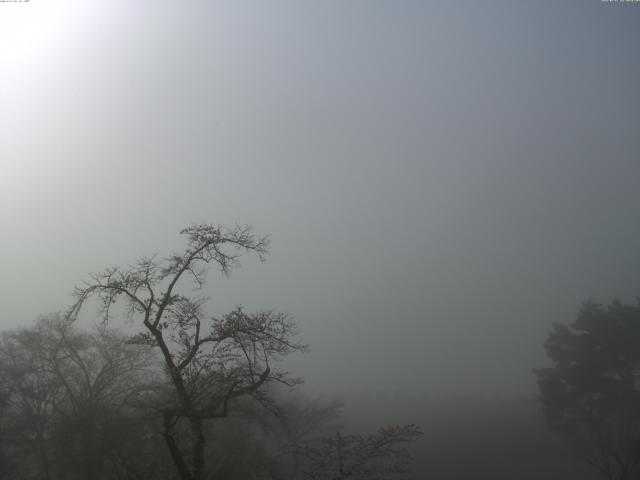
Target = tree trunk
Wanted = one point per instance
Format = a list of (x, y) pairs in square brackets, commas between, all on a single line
[(174, 451), (197, 448)]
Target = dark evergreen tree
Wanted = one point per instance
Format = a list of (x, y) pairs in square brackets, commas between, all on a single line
[(591, 393)]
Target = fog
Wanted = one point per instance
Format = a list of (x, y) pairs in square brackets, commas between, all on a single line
[(440, 181)]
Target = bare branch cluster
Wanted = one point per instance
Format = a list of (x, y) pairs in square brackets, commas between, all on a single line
[(64, 392), (378, 456), (209, 361)]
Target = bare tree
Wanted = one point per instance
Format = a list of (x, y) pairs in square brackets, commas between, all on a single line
[(359, 457), (306, 422), (209, 361), (66, 398)]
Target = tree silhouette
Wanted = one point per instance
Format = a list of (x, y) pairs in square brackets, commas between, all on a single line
[(591, 394), (66, 395), (359, 457), (209, 361)]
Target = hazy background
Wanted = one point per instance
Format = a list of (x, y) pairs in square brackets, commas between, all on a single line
[(441, 180)]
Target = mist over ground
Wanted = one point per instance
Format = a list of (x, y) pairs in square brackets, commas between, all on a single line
[(440, 181)]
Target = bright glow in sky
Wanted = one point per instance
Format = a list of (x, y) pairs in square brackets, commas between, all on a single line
[(441, 180), (28, 33), (26, 29)]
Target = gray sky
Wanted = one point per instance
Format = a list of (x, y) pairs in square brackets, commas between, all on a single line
[(441, 180)]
